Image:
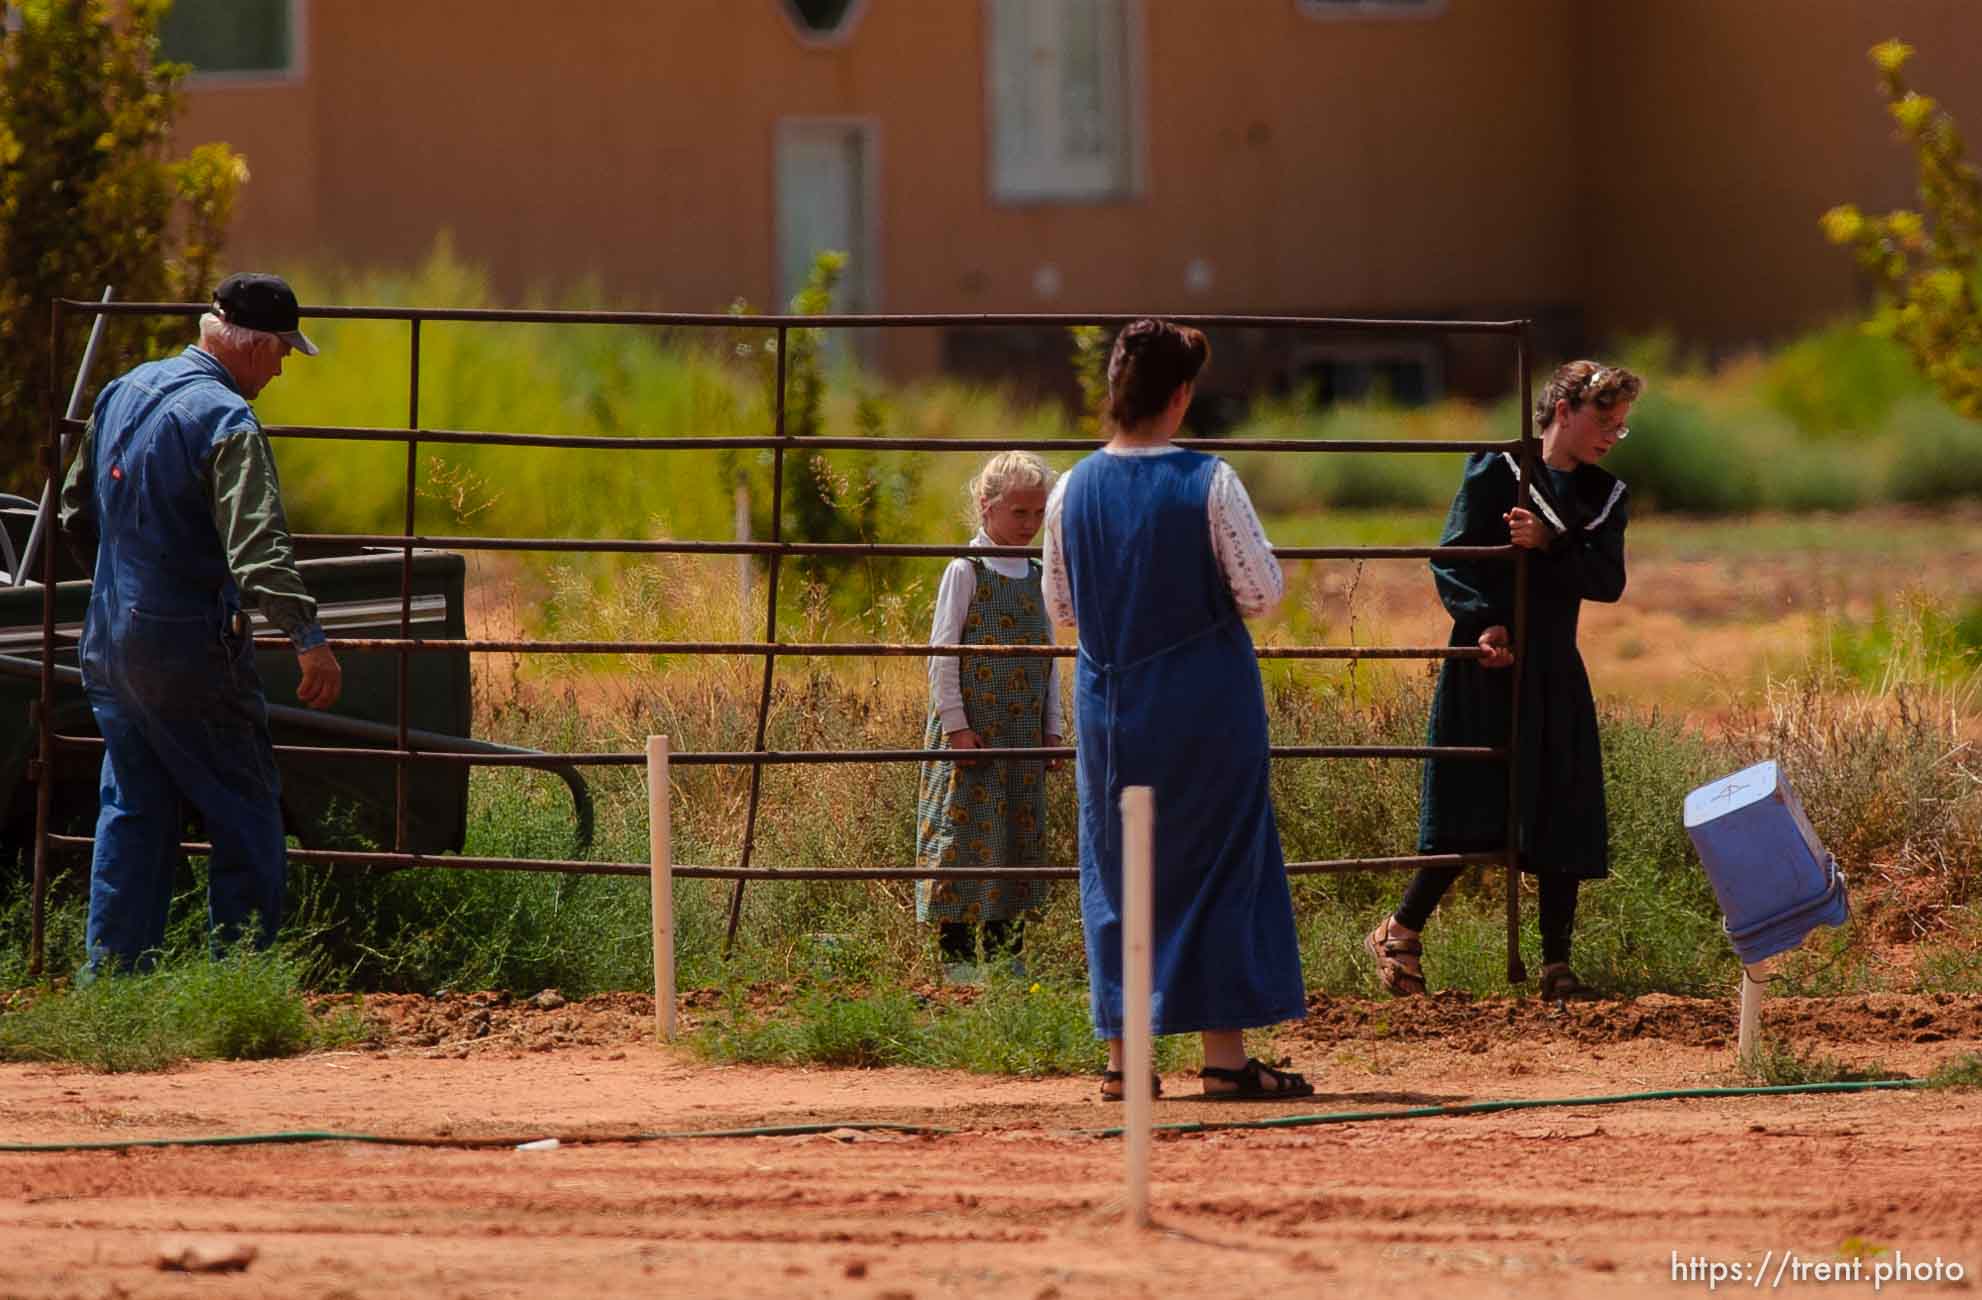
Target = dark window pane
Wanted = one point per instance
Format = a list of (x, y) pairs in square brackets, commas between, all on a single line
[(820, 15), (228, 35)]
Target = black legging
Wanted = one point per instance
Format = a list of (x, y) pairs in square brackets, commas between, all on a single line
[(1558, 905), (957, 940)]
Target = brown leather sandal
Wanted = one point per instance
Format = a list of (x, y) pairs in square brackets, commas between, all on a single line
[(1397, 961), (1255, 1081), (1113, 1079)]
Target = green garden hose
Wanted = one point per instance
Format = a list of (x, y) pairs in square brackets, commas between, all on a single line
[(926, 1130)]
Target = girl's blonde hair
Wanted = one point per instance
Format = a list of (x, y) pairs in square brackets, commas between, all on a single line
[(1002, 473)]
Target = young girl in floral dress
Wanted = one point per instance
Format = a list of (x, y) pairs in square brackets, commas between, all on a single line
[(988, 813)]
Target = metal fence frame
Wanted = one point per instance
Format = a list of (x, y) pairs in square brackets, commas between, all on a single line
[(775, 550)]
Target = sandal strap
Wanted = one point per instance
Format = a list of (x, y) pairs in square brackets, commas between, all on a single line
[(1115, 1076), (1253, 1075)]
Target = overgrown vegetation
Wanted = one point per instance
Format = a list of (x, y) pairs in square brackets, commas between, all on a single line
[(244, 1005), (1011, 1027), (1780, 1064), (1887, 779)]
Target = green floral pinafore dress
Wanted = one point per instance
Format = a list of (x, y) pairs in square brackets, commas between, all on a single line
[(991, 813)]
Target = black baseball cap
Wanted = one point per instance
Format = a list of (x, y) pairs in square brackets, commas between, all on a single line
[(262, 302)]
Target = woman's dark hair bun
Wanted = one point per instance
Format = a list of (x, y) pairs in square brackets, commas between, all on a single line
[(1151, 360)]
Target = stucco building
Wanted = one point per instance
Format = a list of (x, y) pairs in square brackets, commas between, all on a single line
[(1608, 166)]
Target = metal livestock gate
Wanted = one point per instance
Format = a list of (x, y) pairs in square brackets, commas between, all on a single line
[(780, 444)]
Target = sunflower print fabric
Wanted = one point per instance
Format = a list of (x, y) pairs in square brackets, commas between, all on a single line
[(990, 813)]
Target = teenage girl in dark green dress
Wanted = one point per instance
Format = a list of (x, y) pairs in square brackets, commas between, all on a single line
[(1575, 529)]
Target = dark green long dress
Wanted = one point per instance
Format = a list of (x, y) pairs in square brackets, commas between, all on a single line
[(1464, 809)]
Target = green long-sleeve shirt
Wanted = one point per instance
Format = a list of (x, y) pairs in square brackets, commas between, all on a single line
[(246, 499)]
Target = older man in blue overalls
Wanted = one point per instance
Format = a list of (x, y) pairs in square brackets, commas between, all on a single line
[(176, 489)]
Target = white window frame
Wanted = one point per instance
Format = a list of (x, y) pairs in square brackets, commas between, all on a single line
[(1053, 180), (866, 270), (299, 13), (1329, 11), (812, 36)]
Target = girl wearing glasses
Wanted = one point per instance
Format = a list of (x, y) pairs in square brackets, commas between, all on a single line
[(1575, 529)]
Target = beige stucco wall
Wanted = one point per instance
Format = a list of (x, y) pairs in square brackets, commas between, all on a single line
[(1658, 164), (1719, 133)]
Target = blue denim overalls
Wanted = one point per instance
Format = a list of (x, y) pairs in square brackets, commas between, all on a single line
[(170, 671)]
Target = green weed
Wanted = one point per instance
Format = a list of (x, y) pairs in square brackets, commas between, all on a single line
[(1777, 1064), (244, 1006), (1964, 1071), (1010, 1027)]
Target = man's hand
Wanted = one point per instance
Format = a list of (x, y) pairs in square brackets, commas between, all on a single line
[(322, 680), (1494, 642), (1054, 742)]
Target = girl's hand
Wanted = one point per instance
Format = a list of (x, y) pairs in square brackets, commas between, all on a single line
[(1494, 642), (965, 739), (1054, 764), (1527, 529)]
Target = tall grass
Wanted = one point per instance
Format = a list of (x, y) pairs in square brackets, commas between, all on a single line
[(246, 1005), (827, 971)]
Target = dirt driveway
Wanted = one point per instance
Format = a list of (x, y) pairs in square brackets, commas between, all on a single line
[(1022, 1199)]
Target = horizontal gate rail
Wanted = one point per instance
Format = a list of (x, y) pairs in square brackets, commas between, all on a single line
[(842, 649), (405, 755), (893, 320), (851, 550), (776, 757), (586, 867)]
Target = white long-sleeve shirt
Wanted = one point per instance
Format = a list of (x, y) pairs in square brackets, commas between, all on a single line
[(1238, 541), (953, 597)]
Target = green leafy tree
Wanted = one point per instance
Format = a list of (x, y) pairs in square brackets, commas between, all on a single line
[(1925, 263), (89, 198), (1092, 343), (844, 496)]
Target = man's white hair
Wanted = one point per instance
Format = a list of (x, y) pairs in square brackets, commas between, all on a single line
[(218, 336)]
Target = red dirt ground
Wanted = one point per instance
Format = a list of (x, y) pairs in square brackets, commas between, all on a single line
[(1022, 1200)]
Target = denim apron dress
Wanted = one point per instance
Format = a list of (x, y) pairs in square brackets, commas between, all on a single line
[(1168, 695)]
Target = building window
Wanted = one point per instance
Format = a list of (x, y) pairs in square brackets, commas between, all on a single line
[(1400, 374), (1060, 77), (1370, 8), (823, 22), (232, 38)]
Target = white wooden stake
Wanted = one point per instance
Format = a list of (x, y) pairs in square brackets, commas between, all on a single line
[(1752, 983), (1138, 1055), (660, 849)]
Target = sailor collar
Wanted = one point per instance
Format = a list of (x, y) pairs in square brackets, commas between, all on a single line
[(1549, 509)]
